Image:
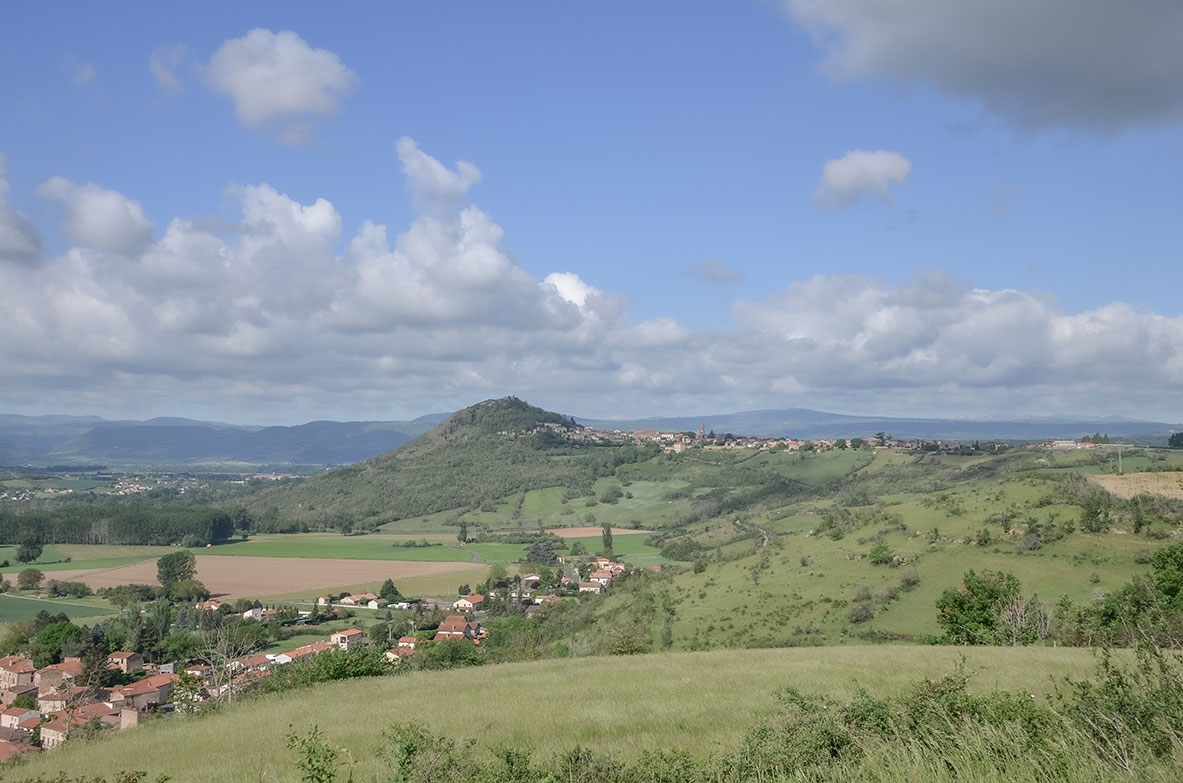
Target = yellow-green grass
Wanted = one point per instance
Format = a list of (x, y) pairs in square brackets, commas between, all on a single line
[(815, 468), (428, 586), (700, 702), (375, 546)]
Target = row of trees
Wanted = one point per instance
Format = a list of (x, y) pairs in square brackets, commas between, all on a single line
[(122, 521)]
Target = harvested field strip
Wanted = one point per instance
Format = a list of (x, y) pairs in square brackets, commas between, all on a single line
[(1127, 485)]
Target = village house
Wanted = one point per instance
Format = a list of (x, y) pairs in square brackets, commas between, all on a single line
[(347, 638), (600, 575), (456, 627), (591, 587), (57, 674), (126, 662), (66, 724), (145, 694), (469, 603), (252, 663), (305, 653), (404, 649), (12, 717), (61, 698), (16, 671), (361, 599)]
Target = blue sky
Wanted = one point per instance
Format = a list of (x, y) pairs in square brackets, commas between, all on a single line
[(281, 212)]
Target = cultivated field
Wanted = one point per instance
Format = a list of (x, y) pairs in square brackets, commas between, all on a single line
[(252, 576), (1167, 484)]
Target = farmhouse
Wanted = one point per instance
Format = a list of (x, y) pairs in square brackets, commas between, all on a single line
[(344, 639), (456, 627), (469, 603)]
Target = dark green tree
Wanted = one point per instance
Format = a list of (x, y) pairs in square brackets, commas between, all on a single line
[(29, 551), (540, 552), (606, 539), (176, 567), (1168, 573), (462, 536), (1176, 440), (972, 613), (188, 591), (389, 591)]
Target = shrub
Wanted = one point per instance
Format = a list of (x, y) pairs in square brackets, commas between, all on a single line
[(860, 612)]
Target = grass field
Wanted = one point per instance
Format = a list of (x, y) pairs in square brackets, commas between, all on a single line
[(700, 702), (20, 607), (338, 547)]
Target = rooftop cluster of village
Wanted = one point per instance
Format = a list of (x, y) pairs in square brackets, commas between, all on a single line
[(680, 441), (40, 708), (44, 707)]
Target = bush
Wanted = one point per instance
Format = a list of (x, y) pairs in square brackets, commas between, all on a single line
[(881, 553), (860, 612)]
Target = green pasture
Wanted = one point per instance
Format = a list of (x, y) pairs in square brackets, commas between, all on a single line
[(626, 707), (798, 590), (22, 607)]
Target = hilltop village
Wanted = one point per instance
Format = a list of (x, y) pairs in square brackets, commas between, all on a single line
[(678, 442)]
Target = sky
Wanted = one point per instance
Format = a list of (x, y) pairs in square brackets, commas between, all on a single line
[(271, 213)]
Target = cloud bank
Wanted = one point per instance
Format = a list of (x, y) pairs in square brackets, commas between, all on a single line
[(277, 315), (1093, 64)]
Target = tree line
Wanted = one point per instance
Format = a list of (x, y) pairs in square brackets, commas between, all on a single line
[(144, 522)]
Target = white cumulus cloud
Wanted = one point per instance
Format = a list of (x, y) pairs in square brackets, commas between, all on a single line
[(264, 316), (278, 78), (100, 218), (861, 173), (434, 187), (19, 241)]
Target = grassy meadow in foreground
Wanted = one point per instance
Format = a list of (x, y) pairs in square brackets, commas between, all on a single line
[(700, 702)]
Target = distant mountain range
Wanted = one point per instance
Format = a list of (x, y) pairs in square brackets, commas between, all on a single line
[(88, 440), (64, 440)]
